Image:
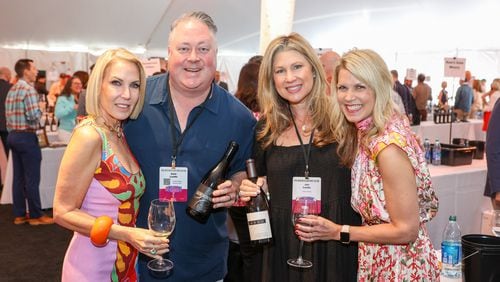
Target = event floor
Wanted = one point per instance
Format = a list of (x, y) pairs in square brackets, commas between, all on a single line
[(30, 253)]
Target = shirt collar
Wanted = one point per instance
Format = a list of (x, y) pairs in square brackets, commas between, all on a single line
[(160, 95)]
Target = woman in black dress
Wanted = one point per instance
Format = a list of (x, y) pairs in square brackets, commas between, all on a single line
[(294, 135)]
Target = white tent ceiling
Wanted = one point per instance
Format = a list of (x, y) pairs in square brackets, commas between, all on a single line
[(407, 33), (400, 25)]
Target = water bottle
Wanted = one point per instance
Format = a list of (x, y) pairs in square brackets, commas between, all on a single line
[(451, 249), (427, 150), (436, 153)]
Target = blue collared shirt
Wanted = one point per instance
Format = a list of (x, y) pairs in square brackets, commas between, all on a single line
[(199, 251)]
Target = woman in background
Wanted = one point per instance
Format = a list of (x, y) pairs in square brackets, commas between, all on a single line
[(100, 178), (477, 104), (66, 106), (247, 87), (391, 184), (443, 97), (489, 100)]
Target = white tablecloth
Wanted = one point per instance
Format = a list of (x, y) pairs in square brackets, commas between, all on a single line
[(460, 192), (471, 130), (51, 159)]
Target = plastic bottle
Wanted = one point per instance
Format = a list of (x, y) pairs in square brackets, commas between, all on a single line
[(436, 153), (427, 150), (451, 249)]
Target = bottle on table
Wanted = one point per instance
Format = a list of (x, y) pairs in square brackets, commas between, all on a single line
[(451, 249), (53, 123), (46, 124), (259, 224), (427, 150), (200, 204), (436, 153)]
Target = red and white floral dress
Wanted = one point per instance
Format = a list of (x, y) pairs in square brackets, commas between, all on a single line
[(418, 260)]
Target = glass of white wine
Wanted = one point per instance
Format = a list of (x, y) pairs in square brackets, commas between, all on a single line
[(161, 220), (495, 223)]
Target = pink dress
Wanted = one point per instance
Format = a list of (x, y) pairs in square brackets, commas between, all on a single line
[(113, 192), (418, 260)]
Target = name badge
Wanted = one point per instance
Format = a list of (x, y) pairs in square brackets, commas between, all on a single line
[(307, 187), (173, 184)]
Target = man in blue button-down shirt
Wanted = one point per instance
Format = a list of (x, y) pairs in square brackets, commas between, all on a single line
[(190, 119)]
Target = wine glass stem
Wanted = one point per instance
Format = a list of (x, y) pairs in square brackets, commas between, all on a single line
[(299, 259)]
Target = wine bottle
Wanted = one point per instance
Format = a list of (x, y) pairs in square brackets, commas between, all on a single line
[(259, 225), (200, 204), (53, 124), (46, 124)]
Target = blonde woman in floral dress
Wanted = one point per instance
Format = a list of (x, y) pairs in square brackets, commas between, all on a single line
[(391, 186)]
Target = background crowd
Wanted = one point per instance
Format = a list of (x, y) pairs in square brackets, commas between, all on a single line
[(344, 119)]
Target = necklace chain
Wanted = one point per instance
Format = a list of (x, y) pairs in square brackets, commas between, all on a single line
[(115, 129)]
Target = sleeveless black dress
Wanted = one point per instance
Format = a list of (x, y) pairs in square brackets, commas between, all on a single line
[(332, 260)]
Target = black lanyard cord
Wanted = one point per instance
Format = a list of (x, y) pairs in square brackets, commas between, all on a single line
[(307, 153), (177, 143)]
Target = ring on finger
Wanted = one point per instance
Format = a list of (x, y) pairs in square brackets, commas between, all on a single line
[(153, 251)]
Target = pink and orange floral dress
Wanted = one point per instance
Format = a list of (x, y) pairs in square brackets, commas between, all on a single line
[(114, 192), (418, 260)]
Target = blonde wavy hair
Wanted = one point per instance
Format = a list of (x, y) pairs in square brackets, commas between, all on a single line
[(94, 85), (369, 68), (276, 116)]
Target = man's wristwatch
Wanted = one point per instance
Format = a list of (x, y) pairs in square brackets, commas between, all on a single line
[(344, 234)]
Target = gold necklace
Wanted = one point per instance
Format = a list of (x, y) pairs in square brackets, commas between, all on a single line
[(115, 129)]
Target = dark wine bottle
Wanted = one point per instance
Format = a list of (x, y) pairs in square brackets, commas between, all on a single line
[(53, 124), (46, 124), (200, 204), (259, 224)]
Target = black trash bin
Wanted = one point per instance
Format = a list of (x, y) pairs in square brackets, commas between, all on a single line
[(479, 153), (481, 258)]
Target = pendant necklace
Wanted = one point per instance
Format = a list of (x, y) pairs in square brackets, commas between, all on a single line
[(114, 129)]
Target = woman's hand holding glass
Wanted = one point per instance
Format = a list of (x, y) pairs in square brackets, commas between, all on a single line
[(161, 221), (313, 228), (302, 207)]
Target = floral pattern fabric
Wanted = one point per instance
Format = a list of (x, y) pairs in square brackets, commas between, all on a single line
[(416, 261)]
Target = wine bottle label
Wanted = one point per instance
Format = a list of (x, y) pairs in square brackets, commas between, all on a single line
[(259, 225), (202, 201)]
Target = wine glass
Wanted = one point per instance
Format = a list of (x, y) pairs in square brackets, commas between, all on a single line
[(495, 223), (301, 207), (161, 220)]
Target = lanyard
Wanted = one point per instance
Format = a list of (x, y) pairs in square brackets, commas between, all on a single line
[(177, 143), (307, 153)]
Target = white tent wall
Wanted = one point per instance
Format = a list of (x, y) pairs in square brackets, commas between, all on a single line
[(483, 64), (229, 65), (67, 62), (415, 34)]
